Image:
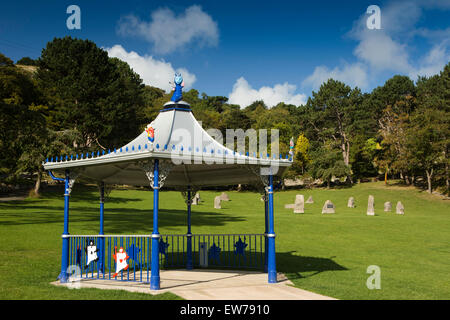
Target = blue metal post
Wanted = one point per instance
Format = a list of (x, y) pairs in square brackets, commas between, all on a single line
[(271, 265), (101, 231), (266, 230), (63, 276), (155, 279), (189, 234)]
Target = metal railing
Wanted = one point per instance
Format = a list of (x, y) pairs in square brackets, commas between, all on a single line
[(93, 255)]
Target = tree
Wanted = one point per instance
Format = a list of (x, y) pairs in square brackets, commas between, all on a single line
[(89, 92), (445, 79), (331, 114), (154, 99), (363, 163), (215, 103), (374, 152), (16, 87), (393, 130), (301, 152), (398, 88), (234, 118), (326, 163), (429, 135), (259, 104), (393, 103), (5, 61), (27, 61), (21, 121), (427, 141)]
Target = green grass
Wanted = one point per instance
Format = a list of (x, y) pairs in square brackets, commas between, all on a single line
[(327, 254)]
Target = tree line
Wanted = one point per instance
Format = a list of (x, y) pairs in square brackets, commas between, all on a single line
[(74, 98)]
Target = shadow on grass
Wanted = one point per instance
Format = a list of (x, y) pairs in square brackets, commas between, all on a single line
[(287, 262), (117, 220), (85, 193), (295, 265)]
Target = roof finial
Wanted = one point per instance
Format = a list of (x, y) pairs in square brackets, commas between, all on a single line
[(178, 89)]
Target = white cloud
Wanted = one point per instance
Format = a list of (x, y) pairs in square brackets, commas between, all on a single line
[(168, 32), (388, 49), (156, 73), (243, 94), (382, 53), (354, 75), (380, 49), (432, 63)]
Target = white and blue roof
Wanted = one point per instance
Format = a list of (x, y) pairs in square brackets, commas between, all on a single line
[(198, 159)]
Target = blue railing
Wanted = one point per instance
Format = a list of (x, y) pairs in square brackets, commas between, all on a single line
[(92, 256)]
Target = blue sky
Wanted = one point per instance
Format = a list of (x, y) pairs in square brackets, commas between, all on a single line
[(246, 50)]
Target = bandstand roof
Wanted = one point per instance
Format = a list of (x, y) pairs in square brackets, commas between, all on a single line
[(198, 159)]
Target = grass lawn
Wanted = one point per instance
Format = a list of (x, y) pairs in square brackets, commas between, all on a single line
[(327, 254)]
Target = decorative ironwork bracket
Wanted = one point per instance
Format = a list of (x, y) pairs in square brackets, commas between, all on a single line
[(107, 188), (73, 175), (184, 194), (263, 185), (164, 169)]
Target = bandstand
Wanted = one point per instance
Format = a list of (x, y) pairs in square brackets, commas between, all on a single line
[(174, 151)]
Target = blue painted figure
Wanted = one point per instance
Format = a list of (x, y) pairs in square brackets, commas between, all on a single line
[(133, 253), (240, 247), (214, 253), (163, 246), (178, 90), (78, 257)]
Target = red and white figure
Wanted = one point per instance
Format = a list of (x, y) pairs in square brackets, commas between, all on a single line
[(121, 258)]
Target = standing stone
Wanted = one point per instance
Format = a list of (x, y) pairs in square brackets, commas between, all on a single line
[(310, 200), (387, 207), (299, 205), (224, 197), (400, 209), (371, 206), (195, 199), (351, 202), (328, 207), (217, 203)]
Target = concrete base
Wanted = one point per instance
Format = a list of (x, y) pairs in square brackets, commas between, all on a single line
[(210, 285)]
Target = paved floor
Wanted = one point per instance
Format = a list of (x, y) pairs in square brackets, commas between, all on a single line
[(201, 284)]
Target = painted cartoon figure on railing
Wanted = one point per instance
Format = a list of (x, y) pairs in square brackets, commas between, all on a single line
[(133, 252), (78, 256), (121, 260), (239, 247), (178, 88), (214, 253), (91, 252), (163, 247)]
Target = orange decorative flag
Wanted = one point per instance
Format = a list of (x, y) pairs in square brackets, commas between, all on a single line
[(150, 134)]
